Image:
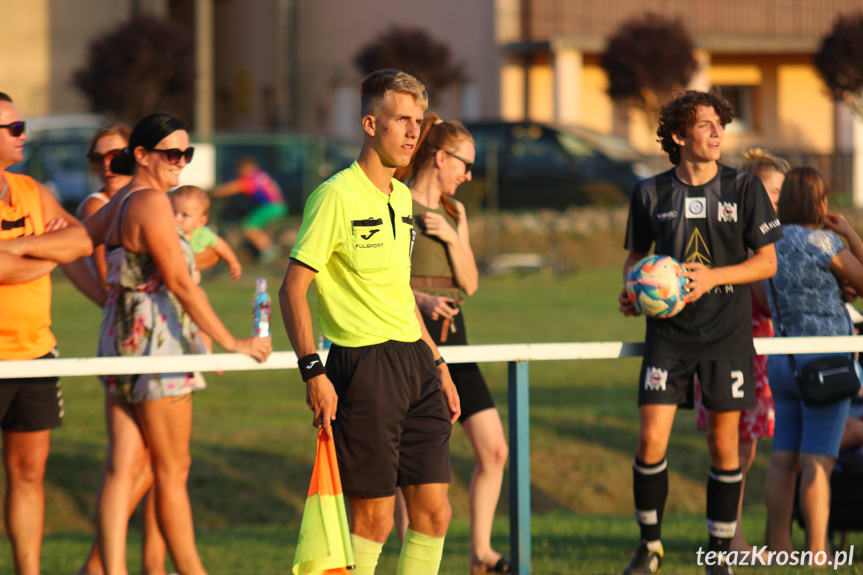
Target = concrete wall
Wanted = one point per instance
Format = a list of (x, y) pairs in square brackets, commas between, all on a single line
[(805, 113), (245, 38), (73, 25), (25, 72), (42, 45)]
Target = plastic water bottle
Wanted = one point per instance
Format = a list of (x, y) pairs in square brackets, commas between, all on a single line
[(261, 310)]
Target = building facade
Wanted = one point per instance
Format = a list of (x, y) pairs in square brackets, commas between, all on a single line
[(268, 65), (757, 52), (265, 64)]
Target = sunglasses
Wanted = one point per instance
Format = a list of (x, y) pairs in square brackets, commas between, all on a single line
[(97, 158), (468, 166), (15, 128), (174, 154)]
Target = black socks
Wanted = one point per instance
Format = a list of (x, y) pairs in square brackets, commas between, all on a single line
[(650, 487), (723, 496)]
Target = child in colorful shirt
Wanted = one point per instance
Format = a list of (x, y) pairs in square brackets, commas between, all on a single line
[(269, 205)]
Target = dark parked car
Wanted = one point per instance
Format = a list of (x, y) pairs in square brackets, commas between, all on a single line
[(542, 166)]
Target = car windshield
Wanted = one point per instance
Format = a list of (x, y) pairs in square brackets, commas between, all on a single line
[(56, 157), (612, 146), (575, 146), (67, 158)]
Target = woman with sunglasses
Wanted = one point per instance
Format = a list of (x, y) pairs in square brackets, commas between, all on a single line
[(107, 143), (153, 308), (443, 266)]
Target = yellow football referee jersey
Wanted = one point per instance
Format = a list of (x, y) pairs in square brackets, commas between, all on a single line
[(359, 240)]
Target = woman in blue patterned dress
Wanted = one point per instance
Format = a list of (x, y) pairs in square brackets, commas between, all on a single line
[(153, 308), (812, 263)]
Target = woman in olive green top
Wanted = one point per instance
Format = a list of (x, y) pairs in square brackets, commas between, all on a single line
[(442, 268)]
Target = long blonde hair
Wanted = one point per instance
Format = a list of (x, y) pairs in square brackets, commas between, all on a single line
[(435, 135)]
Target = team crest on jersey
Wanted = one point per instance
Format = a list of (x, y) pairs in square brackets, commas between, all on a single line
[(655, 378), (727, 212), (696, 208)]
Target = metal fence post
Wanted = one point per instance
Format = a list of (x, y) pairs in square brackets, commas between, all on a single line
[(519, 467)]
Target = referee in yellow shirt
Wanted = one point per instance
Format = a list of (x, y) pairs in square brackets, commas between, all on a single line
[(385, 394)]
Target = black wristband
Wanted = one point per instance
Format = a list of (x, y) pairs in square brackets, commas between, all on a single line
[(439, 361), (311, 366)]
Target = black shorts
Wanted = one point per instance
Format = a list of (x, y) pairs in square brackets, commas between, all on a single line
[(31, 404), (392, 426), (472, 389), (726, 384)]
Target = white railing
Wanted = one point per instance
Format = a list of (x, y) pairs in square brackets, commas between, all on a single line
[(518, 356), (454, 354)]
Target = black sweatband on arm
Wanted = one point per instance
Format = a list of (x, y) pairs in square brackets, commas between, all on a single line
[(311, 366), (439, 361)]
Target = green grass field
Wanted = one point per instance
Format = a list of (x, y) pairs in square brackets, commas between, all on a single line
[(253, 444)]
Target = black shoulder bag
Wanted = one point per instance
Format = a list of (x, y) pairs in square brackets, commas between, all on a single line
[(822, 381)]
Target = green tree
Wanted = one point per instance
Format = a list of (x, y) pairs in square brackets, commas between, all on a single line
[(143, 66), (647, 58), (839, 60)]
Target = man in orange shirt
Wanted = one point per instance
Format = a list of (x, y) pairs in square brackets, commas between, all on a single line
[(36, 234)]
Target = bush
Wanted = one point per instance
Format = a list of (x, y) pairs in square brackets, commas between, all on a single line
[(647, 58), (414, 51), (840, 60), (145, 65)]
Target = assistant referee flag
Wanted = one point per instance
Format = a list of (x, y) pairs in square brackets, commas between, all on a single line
[(324, 546)]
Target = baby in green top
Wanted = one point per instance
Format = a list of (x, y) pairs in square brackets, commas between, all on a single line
[(191, 208)]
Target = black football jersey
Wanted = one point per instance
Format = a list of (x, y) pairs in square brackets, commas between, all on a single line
[(713, 224)]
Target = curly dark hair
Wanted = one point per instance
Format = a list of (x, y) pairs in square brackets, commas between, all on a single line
[(678, 117)]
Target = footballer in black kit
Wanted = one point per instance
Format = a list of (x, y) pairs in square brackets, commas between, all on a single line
[(709, 217), (714, 224)]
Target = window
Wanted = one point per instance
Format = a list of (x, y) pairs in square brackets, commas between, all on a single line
[(740, 98)]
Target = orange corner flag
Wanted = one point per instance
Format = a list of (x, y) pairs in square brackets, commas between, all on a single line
[(324, 546)]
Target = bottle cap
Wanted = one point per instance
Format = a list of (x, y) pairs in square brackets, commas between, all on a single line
[(261, 284)]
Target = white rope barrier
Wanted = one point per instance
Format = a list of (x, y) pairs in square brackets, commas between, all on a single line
[(65, 367)]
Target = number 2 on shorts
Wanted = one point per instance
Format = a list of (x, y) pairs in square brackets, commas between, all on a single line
[(737, 386)]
